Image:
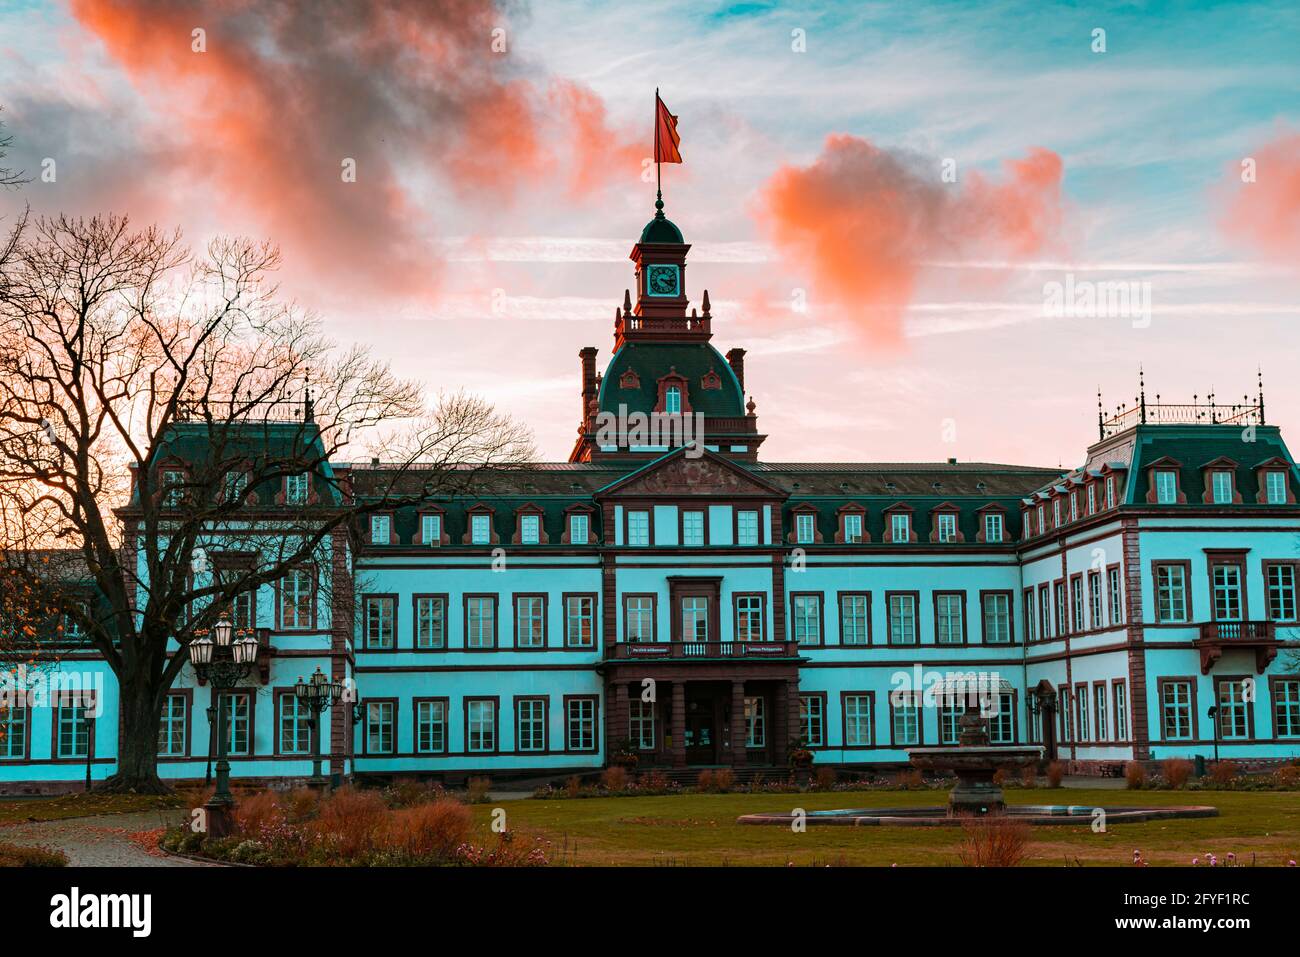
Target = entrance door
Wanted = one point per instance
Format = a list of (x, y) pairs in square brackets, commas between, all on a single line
[(701, 730), (1049, 732)]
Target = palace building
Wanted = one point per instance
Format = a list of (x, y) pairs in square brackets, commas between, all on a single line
[(698, 605)]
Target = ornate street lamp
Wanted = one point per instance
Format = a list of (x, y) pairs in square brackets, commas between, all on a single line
[(223, 664), (317, 694)]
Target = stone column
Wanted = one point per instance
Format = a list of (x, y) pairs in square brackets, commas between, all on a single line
[(738, 724), (778, 727), (679, 724)]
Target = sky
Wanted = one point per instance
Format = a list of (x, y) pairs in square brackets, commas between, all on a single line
[(899, 209)]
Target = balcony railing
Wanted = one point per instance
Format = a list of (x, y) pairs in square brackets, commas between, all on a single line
[(1244, 631), (1219, 636), (685, 650)]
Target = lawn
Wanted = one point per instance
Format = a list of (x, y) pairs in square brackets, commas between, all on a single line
[(701, 829), (17, 810)]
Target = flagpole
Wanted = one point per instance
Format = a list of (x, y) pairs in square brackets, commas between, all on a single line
[(659, 181)]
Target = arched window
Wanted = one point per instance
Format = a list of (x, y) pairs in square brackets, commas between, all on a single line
[(672, 400)]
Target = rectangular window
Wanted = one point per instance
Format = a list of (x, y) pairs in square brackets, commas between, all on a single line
[(73, 729), (1030, 634), (1120, 693), (906, 719), (1286, 708), (639, 618), (949, 624), (641, 724), (1281, 592), (14, 730), (431, 726), (1044, 613), (1171, 593), (902, 619), (812, 720), (857, 721), (695, 618), (430, 622), (1002, 724), (1076, 604), (1234, 710), (746, 528), (242, 612), (806, 612), (480, 725), (296, 599), (950, 713), (1092, 498), (1275, 487), (480, 529), (1082, 704), (854, 623), (805, 528), (295, 489), (579, 529), (900, 528), (852, 528), (1042, 519), (1176, 709), (380, 614), (431, 530), (1221, 487), (1166, 487), (480, 621), (993, 528), (379, 529), (1226, 580), (1110, 492), (638, 529), (1099, 710), (530, 529), (947, 527), (749, 618), (239, 729), (173, 484), (1074, 506), (530, 621), (692, 528), (581, 724), (1116, 598), (1094, 598), (530, 719), (1063, 702), (171, 730), (1062, 622), (997, 618), (233, 484), (755, 724), (579, 621), (295, 732), (380, 718)]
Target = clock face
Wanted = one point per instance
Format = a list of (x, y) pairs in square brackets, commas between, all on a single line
[(663, 280)]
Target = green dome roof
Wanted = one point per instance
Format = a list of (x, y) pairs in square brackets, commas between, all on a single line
[(661, 230), (653, 360)]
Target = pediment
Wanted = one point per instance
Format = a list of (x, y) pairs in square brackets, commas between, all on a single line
[(678, 474)]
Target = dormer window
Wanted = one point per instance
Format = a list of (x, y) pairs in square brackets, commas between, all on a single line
[(993, 528), (1074, 506), (480, 529), (1221, 487), (673, 400), (900, 527), (579, 528), (1042, 519), (1275, 487), (173, 487), (1092, 498), (295, 489), (947, 528), (853, 527), (1110, 491), (1166, 487), (431, 530), (530, 529), (1056, 513), (233, 484), (805, 528), (380, 527)]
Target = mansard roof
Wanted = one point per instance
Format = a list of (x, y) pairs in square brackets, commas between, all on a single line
[(651, 361), (1195, 446)]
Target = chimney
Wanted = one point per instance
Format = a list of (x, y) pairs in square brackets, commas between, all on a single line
[(588, 357), (736, 359)]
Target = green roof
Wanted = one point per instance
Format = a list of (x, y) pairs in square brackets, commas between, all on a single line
[(651, 361), (661, 230), (1195, 446)]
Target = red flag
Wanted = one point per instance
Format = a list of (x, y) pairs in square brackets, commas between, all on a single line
[(666, 138)]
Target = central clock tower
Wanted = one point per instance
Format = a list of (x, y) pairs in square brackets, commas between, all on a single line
[(660, 258)]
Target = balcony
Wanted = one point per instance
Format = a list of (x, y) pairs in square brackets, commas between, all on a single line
[(1218, 636), (702, 650)]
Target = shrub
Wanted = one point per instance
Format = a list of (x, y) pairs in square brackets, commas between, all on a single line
[(573, 786), (509, 852), (909, 780), (655, 781), (429, 833), (1225, 773), (993, 842), (17, 855), (349, 822), (1000, 777), (1055, 774), (477, 790), (1029, 776), (301, 803), (615, 778), (826, 778), (724, 779), (706, 781), (1288, 777), (263, 809), (409, 792), (1135, 775), (1176, 771)]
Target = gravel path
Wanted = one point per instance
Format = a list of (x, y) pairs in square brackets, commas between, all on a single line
[(103, 841)]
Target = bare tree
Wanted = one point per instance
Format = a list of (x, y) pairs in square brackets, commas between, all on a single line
[(154, 404), (9, 178)]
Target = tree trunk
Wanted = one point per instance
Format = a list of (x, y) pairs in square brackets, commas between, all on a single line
[(140, 710)]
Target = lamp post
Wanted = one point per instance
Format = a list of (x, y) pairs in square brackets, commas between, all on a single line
[(223, 663), (317, 694), (1214, 717)]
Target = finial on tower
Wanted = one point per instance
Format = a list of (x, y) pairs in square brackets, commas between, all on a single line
[(1259, 375), (627, 302), (704, 304), (1142, 396)]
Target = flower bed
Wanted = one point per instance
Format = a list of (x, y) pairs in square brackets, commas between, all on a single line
[(18, 855), (404, 826)]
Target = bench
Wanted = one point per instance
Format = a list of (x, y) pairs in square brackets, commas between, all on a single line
[(1112, 770)]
